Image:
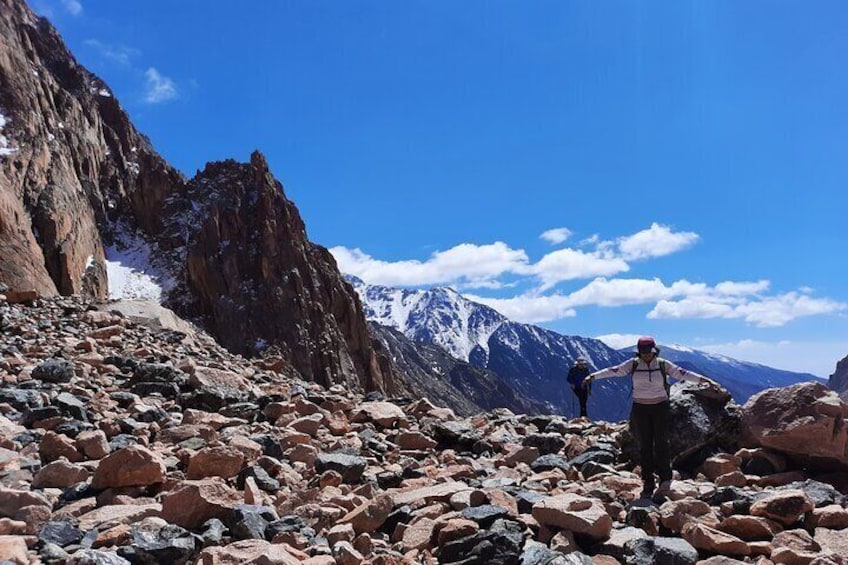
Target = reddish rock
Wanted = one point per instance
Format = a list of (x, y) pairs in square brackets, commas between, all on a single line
[(733, 479), (750, 528), (419, 534), (456, 528), (720, 464), (832, 516), (247, 552), (675, 514), (12, 527), (370, 516), (440, 492), (14, 549), (130, 466), (414, 440), (12, 501), (110, 516), (60, 474), (786, 418), (785, 506), (93, 444), (53, 446), (794, 547), (709, 539), (221, 461), (191, 503), (384, 414), (574, 513)]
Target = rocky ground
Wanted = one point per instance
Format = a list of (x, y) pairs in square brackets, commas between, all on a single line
[(127, 442)]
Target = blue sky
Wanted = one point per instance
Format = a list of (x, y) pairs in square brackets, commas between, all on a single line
[(677, 169)]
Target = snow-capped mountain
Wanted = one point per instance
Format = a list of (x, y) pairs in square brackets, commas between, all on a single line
[(440, 316), (536, 360)]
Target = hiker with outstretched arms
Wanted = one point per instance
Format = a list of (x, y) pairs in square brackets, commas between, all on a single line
[(650, 416), (576, 377)]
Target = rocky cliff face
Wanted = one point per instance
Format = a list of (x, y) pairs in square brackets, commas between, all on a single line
[(75, 175), (73, 161), (256, 280), (839, 379)]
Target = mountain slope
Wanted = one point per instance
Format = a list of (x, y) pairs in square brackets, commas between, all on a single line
[(533, 360), (428, 371), (79, 186)]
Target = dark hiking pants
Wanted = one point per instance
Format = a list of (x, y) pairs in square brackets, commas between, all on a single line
[(582, 395), (649, 424)]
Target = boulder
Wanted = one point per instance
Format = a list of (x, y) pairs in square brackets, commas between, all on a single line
[(785, 419), (575, 513), (191, 503), (130, 466)]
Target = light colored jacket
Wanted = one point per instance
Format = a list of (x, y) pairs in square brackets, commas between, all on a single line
[(648, 384)]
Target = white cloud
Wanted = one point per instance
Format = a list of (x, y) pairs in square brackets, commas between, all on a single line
[(72, 6), (778, 310), (466, 263), (771, 311), (556, 235), (117, 53), (730, 288), (619, 292), (690, 308), (530, 309), (656, 241), (159, 88), (619, 341), (569, 264)]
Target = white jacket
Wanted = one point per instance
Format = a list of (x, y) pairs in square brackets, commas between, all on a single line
[(648, 385)]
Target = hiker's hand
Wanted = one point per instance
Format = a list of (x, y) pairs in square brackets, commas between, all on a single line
[(588, 380), (709, 382)]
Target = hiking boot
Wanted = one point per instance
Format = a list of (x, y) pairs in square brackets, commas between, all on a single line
[(665, 486)]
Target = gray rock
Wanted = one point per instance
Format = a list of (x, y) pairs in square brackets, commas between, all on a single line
[(96, 557), (545, 443), (548, 462), (485, 515), (60, 533), (54, 371), (250, 521), (659, 551), (350, 467)]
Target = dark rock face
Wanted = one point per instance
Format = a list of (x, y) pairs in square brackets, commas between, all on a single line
[(80, 177), (78, 162), (255, 279), (839, 379)]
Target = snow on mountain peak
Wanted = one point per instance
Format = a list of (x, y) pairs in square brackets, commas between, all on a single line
[(439, 315)]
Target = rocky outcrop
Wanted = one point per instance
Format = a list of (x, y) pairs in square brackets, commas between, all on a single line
[(838, 381), (805, 421), (428, 371), (255, 280), (78, 177), (97, 464), (77, 163)]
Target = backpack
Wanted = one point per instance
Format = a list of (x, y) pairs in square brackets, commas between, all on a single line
[(661, 363)]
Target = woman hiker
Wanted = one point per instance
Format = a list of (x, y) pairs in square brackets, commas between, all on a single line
[(651, 413)]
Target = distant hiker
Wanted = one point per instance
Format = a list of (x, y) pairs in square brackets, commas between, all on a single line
[(651, 413), (576, 377)]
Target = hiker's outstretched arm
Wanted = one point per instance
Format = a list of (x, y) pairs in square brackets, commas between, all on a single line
[(682, 374), (615, 371)]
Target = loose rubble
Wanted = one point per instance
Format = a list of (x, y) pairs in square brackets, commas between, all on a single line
[(124, 442)]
